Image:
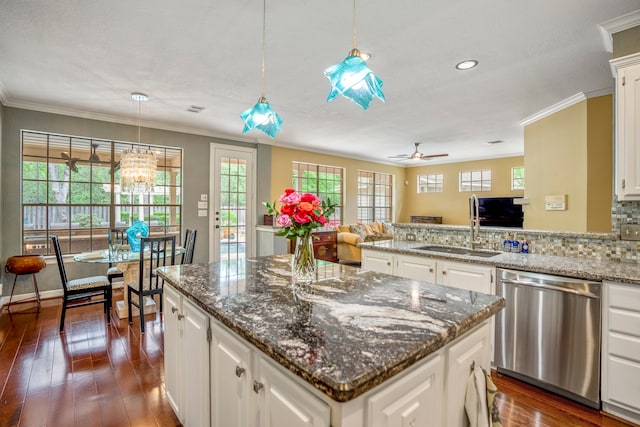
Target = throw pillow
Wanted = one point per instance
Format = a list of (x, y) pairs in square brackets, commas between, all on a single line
[(358, 229)]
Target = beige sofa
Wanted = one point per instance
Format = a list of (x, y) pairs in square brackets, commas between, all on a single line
[(350, 235)]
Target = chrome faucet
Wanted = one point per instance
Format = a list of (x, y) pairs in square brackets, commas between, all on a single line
[(474, 221)]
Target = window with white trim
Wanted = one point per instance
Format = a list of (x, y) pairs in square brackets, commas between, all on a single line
[(70, 188), (431, 183), (517, 178), (323, 181), (375, 196), (475, 180)]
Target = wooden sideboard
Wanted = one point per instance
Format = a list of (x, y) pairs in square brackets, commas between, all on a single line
[(325, 245)]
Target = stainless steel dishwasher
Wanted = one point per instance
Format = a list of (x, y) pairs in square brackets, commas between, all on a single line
[(549, 333)]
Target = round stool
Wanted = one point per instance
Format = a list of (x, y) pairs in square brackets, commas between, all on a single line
[(21, 265)]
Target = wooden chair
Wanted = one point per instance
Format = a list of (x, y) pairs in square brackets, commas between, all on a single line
[(80, 292), (119, 236), (189, 246), (154, 252)]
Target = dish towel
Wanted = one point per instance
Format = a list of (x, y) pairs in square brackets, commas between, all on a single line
[(480, 404), (475, 402)]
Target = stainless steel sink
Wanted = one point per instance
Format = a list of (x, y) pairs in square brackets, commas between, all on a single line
[(458, 251)]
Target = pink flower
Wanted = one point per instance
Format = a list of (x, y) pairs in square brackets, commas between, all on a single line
[(283, 220), (302, 217), (290, 197)]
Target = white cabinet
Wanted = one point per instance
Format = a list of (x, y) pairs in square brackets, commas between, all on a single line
[(472, 350), (186, 359), (282, 402), (247, 390), (627, 127), (417, 268), (415, 400), (382, 262), (474, 277), (621, 350)]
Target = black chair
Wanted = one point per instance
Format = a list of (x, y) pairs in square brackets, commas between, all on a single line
[(119, 236), (80, 292), (154, 252), (189, 246)]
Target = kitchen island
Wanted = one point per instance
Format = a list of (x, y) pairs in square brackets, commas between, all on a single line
[(355, 345)]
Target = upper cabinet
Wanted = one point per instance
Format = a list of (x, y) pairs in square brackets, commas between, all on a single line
[(627, 71)]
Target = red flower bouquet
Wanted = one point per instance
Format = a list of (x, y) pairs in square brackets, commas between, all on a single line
[(300, 213)]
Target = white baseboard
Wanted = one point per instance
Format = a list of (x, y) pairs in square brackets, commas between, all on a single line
[(55, 293)]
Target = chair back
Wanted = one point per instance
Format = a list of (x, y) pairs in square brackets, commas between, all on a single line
[(189, 246), (63, 274), (155, 252), (118, 235)]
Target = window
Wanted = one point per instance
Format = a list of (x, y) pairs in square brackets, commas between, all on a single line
[(68, 189), (432, 183), (517, 178), (323, 181), (375, 196), (478, 180)]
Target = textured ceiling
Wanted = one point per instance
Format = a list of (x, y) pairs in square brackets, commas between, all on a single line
[(84, 57)]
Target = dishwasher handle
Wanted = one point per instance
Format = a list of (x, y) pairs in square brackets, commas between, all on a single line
[(549, 286)]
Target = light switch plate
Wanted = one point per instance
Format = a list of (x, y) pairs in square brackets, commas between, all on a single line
[(203, 197), (202, 205), (202, 212), (630, 232)]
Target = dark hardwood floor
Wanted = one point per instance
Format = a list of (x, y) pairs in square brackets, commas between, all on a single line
[(96, 374)]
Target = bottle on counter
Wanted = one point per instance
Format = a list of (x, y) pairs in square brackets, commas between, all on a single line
[(506, 245), (515, 244), (525, 246)]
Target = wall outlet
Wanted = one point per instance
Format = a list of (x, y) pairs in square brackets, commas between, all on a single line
[(630, 232), (411, 237)]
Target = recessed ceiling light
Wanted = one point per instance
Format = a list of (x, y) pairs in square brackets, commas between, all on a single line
[(195, 108), (466, 64), (138, 96)]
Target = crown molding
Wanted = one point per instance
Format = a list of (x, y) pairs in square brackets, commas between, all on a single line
[(615, 25), (3, 94), (623, 61), (565, 103)]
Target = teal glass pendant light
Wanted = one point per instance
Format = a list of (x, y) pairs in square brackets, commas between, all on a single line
[(353, 78), (261, 116)]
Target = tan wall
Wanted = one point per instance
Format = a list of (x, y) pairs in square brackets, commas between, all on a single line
[(281, 159), (599, 163), (626, 42), (558, 150), (452, 205)]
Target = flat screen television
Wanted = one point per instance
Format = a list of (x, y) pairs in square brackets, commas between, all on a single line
[(500, 212)]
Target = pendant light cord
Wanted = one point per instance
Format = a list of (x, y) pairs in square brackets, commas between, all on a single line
[(139, 119), (354, 24), (264, 26)]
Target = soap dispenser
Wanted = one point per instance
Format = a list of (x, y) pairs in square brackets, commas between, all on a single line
[(506, 245), (525, 246), (515, 244)]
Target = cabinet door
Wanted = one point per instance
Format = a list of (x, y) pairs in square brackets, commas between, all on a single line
[(230, 379), (471, 350), (414, 400), (195, 348), (417, 268), (172, 346), (466, 276), (283, 402), (377, 261), (628, 132)]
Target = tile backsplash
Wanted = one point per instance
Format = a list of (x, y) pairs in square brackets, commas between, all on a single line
[(600, 246)]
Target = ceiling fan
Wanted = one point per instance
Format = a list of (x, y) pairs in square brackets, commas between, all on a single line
[(70, 161), (417, 155)]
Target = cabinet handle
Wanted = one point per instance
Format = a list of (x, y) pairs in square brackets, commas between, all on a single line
[(389, 263), (174, 309), (180, 316), (257, 386), (239, 371), (431, 270), (444, 273)]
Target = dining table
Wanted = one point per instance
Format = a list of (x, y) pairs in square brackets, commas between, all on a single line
[(128, 263)]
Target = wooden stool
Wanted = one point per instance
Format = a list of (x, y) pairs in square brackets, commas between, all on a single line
[(21, 265)]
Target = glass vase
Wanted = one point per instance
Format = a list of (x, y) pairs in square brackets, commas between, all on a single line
[(304, 264)]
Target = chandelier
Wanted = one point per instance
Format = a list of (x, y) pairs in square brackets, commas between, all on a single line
[(138, 166)]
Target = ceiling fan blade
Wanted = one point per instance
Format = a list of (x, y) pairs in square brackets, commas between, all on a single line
[(431, 156), (399, 156)]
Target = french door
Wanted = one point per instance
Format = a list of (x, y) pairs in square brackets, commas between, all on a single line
[(233, 212)]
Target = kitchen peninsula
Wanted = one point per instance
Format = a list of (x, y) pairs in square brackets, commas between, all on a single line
[(354, 348)]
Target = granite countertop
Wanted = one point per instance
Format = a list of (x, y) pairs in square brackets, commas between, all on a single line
[(582, 268), (346, 332)]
